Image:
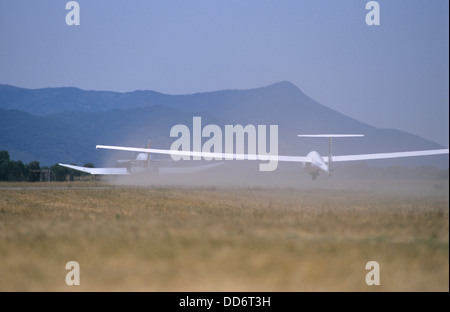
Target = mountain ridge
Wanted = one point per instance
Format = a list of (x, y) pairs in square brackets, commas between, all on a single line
[(67, 127)]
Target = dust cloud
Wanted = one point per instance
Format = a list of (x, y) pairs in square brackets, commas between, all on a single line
[(245, 174)]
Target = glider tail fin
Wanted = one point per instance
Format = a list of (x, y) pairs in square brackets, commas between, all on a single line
[(148, 154)]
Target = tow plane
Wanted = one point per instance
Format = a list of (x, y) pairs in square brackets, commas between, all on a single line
[(143, 163)]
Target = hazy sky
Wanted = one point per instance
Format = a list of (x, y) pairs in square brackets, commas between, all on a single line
[(395, 75)]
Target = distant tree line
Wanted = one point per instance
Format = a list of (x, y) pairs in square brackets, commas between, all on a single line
[(14, 171)]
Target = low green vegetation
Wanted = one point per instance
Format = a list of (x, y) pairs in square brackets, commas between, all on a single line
[(17, 171)]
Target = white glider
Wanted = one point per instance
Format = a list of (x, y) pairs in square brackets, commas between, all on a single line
[(313, 162)]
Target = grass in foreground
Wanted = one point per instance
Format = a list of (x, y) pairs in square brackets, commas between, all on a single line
[(184, 239)]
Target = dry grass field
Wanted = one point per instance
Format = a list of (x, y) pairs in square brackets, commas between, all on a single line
[(160, 238)]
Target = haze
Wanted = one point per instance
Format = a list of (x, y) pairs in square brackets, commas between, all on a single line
[(395, 75)]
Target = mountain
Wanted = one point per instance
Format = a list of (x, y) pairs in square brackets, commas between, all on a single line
[(54, 100), (64, 124)]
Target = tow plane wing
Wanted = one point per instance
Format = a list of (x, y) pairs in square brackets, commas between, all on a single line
[(99, 171), (127, 171)]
